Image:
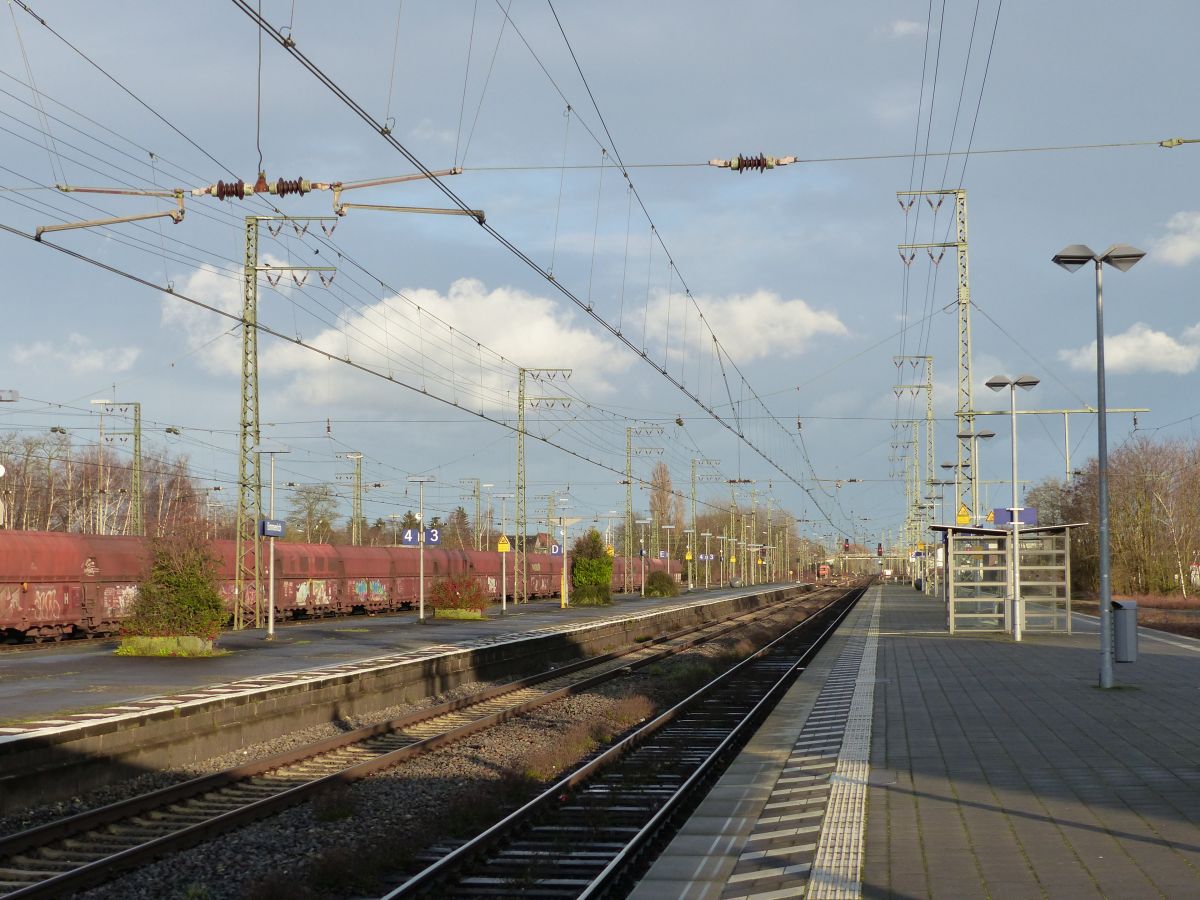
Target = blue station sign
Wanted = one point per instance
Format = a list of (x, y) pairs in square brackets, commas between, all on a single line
[(271, 528)]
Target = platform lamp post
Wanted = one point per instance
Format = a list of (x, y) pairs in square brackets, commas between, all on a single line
[(1121, 257), (503, 555), (422, 480), (1026, 383), (271, 549), (668, 529), (707, 556), (642, 551)]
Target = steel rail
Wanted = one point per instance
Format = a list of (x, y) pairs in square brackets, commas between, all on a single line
[(99, 870), (431, 879)]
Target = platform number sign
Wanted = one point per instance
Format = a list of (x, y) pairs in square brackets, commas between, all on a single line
[(409, 537)]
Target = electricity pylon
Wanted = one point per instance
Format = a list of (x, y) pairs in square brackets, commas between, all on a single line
[(521, 575), (356, 502), (967, 488), (630, 450), (248, 545), (136, 523)]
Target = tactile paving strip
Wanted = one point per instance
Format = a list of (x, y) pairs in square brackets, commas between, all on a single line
[(809, 817)]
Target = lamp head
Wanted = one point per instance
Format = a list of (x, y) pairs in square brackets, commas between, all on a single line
[(1073, 257), (1122, 256), (998, 382), (1027, 382)]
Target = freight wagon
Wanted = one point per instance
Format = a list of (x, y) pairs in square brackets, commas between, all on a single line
[(55, 585)]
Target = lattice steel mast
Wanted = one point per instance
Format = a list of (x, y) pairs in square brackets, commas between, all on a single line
[(521, 575), (968, 487)]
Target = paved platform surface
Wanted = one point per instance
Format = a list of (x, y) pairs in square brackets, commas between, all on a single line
[(77, 676), (996, 770), (1001, 770)]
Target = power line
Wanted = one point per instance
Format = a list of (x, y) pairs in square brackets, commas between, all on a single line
[(453, 197)]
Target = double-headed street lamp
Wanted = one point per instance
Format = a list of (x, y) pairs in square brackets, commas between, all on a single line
[(707, 556), (422, 480), (1121, 257), (1026, 383)]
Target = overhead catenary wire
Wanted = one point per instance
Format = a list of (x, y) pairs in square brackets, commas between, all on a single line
[(267, 330)]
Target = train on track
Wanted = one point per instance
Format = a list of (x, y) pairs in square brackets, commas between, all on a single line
[(55, 585)]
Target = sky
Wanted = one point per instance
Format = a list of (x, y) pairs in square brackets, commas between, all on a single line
[(762, 310)]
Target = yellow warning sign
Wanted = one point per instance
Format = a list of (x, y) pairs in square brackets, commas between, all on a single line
[(991, 515), (733, 559), (688, 556), (920, 545), (609, 550), (964, 515), (502, 545)]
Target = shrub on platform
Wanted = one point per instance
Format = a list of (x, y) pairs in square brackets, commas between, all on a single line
[(661, 584), (591, 571), (458, 598), (178, 597)]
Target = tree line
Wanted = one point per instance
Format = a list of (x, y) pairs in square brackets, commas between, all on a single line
[(1154, 494)]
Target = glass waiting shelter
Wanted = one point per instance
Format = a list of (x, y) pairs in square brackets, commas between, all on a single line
[(978, 566)]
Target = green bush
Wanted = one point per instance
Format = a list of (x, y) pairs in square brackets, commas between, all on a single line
[(178, 592), (461, 592), (661, 584), (591, 570)]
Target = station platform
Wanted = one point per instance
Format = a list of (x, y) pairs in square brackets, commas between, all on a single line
[(79, 718), (54, 682), (908, 763)]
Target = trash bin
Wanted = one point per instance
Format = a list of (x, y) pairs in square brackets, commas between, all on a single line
[(1124, 631)]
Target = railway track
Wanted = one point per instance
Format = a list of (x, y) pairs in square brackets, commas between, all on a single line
[(94, 846), (594, 832)]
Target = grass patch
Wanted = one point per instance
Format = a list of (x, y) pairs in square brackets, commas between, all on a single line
[(458, 614), (354, 630), (188, 646), (546, 763)]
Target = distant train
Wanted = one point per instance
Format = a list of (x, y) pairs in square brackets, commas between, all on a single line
[(55, 585)]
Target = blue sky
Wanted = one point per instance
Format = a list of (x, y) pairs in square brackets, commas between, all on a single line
[(795, 270)]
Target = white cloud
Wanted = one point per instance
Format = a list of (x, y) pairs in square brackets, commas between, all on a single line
[(1181, 244), (77, 355), (425, 339), (1140, 349), (749, 326), (201, 327), (904, 28)]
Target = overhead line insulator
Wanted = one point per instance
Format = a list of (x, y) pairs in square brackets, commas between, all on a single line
[(759, 163)]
